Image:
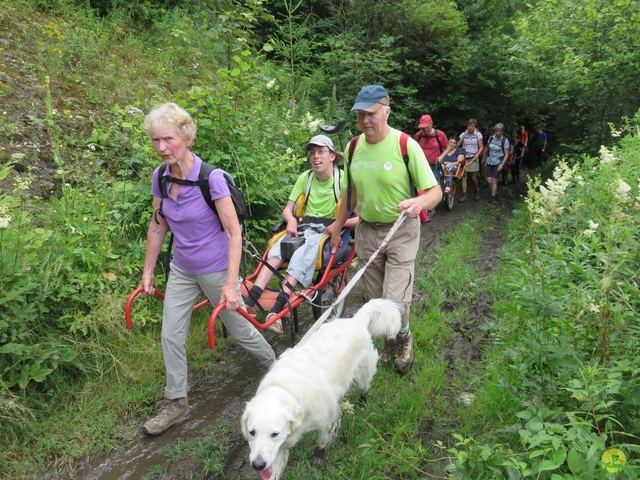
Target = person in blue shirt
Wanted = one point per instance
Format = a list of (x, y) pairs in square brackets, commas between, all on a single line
[(541, 145), (496, 156)]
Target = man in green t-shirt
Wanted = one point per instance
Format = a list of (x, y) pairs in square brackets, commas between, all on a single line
[(319, 212), (380, 190)]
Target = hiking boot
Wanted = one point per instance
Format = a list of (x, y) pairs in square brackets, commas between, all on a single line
[(404, 351), (477, 197), (175, 412), (463, 198), (389, 351)]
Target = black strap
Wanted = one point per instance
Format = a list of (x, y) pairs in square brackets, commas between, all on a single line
[(504, 138), (352, 148), (435, 135), (321, 220), (202, 182), (277, 274)]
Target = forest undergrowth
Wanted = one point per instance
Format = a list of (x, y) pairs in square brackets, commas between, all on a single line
[(555, 394)]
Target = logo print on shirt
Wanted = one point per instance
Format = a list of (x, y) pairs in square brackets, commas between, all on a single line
[(388, 166)]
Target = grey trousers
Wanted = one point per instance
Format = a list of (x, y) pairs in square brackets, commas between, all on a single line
[(303, 261), (180, 297)]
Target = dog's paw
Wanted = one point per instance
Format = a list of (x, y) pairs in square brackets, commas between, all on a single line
[(318, 458)]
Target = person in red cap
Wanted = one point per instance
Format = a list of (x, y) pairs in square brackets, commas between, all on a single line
[(432, 141), (380, 186)]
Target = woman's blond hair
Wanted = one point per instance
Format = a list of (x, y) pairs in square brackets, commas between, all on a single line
[(170, 114)]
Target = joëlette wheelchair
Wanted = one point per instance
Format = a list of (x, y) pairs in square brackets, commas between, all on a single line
[(329, 279), (459, 173)]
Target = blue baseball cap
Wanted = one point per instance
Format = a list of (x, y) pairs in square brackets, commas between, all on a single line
[(370, 98)]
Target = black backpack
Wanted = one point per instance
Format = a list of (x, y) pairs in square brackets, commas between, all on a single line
[(203, 182), (237, 198)]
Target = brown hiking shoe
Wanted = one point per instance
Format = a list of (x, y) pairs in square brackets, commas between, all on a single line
[(176, 411), (389, 351), (404, 351), (463, 198), (477, 197)]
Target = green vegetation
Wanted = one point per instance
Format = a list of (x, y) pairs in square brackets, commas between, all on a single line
[(566, 326), (558, 384), (208, 453)]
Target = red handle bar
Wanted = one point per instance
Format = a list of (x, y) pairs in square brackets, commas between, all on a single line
[(157, 293)]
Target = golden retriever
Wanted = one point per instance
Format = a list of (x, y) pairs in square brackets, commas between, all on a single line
[(302, 391)]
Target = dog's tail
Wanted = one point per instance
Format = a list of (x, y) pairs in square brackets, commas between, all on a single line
[(383, 317)]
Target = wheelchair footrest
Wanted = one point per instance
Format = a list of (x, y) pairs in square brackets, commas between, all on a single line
[(269, 296)]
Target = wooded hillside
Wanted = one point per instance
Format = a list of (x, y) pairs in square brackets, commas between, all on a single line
[(259, 78)]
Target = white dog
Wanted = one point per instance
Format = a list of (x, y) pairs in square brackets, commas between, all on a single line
[(302, 392)]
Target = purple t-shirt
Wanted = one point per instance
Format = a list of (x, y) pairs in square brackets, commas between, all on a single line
[(200, 245)]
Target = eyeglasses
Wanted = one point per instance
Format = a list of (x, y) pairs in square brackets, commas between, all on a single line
[(319, 151)]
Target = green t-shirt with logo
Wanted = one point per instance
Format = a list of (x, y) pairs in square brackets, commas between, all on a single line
[(381, 178), (322, 200)]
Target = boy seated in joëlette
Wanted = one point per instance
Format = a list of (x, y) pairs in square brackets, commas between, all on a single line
[(317, 222)]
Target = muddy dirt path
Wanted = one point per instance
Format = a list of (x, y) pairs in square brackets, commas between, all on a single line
[(219, 395)]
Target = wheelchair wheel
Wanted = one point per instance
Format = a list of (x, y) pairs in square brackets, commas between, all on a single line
[(326, 297), (449, 199)]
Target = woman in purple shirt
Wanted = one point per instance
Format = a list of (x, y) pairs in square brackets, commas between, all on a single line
[(207, 250)]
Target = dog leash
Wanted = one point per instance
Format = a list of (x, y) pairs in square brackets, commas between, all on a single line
[(345, 291)]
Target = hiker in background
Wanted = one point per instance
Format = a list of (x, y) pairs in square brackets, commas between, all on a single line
[(541, 145), (380, 186), (471, 142), (207, 250), (483, 166), (324, 191), (509, 166), (450, 159), (516, 157), (432, 142), (523, 139), (496, 156)]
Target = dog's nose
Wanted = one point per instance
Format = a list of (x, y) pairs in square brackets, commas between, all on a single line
[(258, 465)]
